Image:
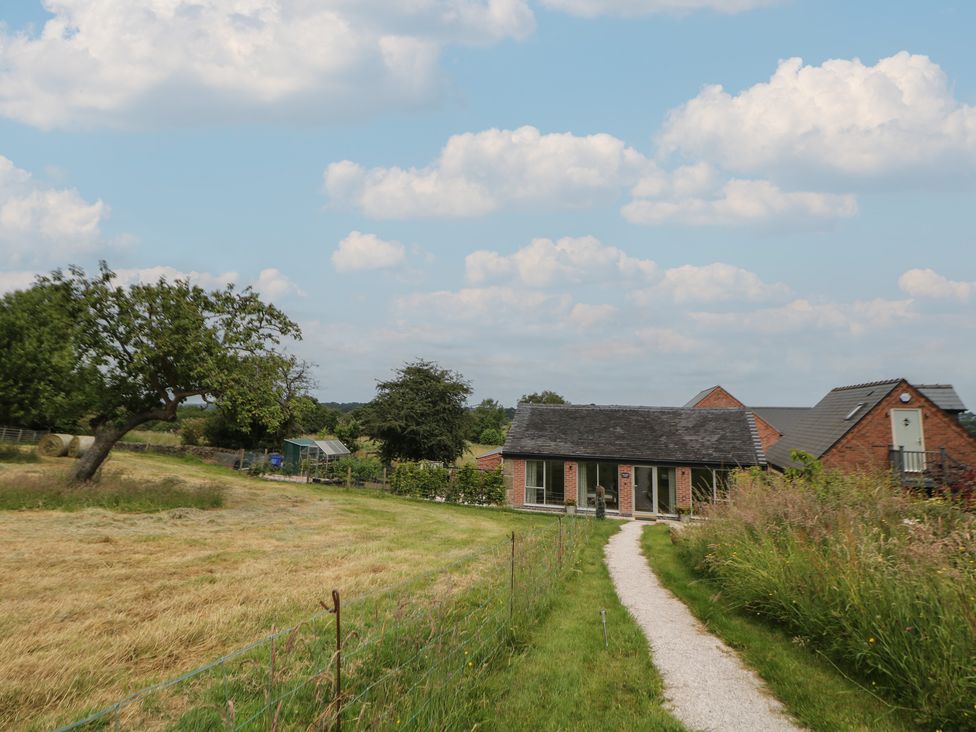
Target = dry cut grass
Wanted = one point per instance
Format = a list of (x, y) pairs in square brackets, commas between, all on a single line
[(97, 604)]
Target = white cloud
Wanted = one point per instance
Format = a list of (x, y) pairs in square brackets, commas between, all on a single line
[(569, 260), (711, 283), (626, 8), (479, 172), (584, 315), (272, 284), (929, 283), (802, 315), (156, 61), (642, 342), (487, 305), (736, 202), (151, 275), (842, 116), (39, 224), (10, 281), (360, 251)]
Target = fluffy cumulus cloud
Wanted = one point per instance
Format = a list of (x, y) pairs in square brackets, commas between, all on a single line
[(40, 223), (273, 284), (480, 172), (798, 316), (585, 315), (150, 275), (119, 62), (569, 260), (842, 117), (931, 284), (486, 305), (593, 8), (698, 195), (712, 283), (359, 251), (547, 263)]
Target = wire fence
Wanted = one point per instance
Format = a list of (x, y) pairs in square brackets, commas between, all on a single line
[(409, 657), (19, 436)]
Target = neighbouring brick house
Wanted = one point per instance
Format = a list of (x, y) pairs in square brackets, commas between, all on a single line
[(650, 460), (881, 425), (490, 460), (913, 429)]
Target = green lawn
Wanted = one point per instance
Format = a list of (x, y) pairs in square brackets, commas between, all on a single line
[(565, 678), (812, 689)]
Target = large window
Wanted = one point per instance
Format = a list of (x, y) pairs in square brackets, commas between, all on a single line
[(593, 474), (708, 485), (545, 482)]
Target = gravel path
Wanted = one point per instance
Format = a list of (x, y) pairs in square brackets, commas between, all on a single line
[(705, 684)]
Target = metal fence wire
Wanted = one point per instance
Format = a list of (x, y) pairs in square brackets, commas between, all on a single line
[(19, 436), (400, 658)]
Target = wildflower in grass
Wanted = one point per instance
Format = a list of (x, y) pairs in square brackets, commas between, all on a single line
[(871, 640)]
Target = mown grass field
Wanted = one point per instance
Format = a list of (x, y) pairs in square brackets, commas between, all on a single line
[(99, 603)]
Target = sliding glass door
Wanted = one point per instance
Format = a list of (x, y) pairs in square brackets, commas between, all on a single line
[(654, 489)]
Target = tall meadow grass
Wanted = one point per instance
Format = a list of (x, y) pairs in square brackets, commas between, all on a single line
[(880, 581)]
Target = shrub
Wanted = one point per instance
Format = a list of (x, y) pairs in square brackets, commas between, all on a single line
[(877, 579), (491, 436), (191, 431), (468, 485)]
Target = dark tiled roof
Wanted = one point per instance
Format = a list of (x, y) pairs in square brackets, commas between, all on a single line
[(494, 451), (699, 396), (829, 420), (784, 419), (943, 395), (636, 434)]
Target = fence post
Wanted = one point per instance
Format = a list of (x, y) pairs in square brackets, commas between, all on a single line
[(511, 593), (336, 610)]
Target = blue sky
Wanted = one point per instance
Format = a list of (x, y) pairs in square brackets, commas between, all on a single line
[(537, 193)]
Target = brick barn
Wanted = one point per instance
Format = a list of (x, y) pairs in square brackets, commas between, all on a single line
[(654, 460), (650, 460)]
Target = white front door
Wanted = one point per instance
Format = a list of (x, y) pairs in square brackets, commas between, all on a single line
[(906, 434)]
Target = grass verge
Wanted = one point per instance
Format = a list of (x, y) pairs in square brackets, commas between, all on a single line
[(809, 685), (14, 454), (565, 678), (117, 494)]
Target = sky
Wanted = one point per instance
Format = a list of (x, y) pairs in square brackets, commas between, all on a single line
[(624, 201)]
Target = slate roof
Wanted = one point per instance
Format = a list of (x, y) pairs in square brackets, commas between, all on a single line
[(636, 434), (943, 395), (829, 420), (784, 419)]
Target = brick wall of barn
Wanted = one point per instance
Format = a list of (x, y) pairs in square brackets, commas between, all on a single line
[(865, 447)]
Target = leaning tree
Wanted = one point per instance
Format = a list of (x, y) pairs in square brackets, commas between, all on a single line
[(145, 349)]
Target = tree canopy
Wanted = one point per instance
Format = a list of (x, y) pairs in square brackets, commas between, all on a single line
[(420, 414), (544, 397), (135, 354), (488, 417)]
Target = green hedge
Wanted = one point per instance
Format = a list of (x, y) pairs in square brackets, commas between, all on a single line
[(466, 485)]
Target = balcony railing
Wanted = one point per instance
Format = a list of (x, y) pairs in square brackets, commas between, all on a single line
[(927, 467)]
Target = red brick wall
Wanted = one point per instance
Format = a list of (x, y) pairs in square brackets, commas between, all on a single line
[(490, 462), (569, 478), (626, 489), (684, 487), (768, 435), (518, 482), (865, 447), (718, 398)]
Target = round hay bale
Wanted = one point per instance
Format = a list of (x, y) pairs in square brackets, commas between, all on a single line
[(79, 445), (54, 445)]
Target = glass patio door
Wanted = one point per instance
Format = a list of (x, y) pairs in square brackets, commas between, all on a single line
[(644, 499), (654, 489)]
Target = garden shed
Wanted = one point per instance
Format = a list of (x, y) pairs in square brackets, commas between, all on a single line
[(301, 451)]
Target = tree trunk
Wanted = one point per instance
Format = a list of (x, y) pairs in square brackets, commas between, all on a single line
[(89, 463)]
